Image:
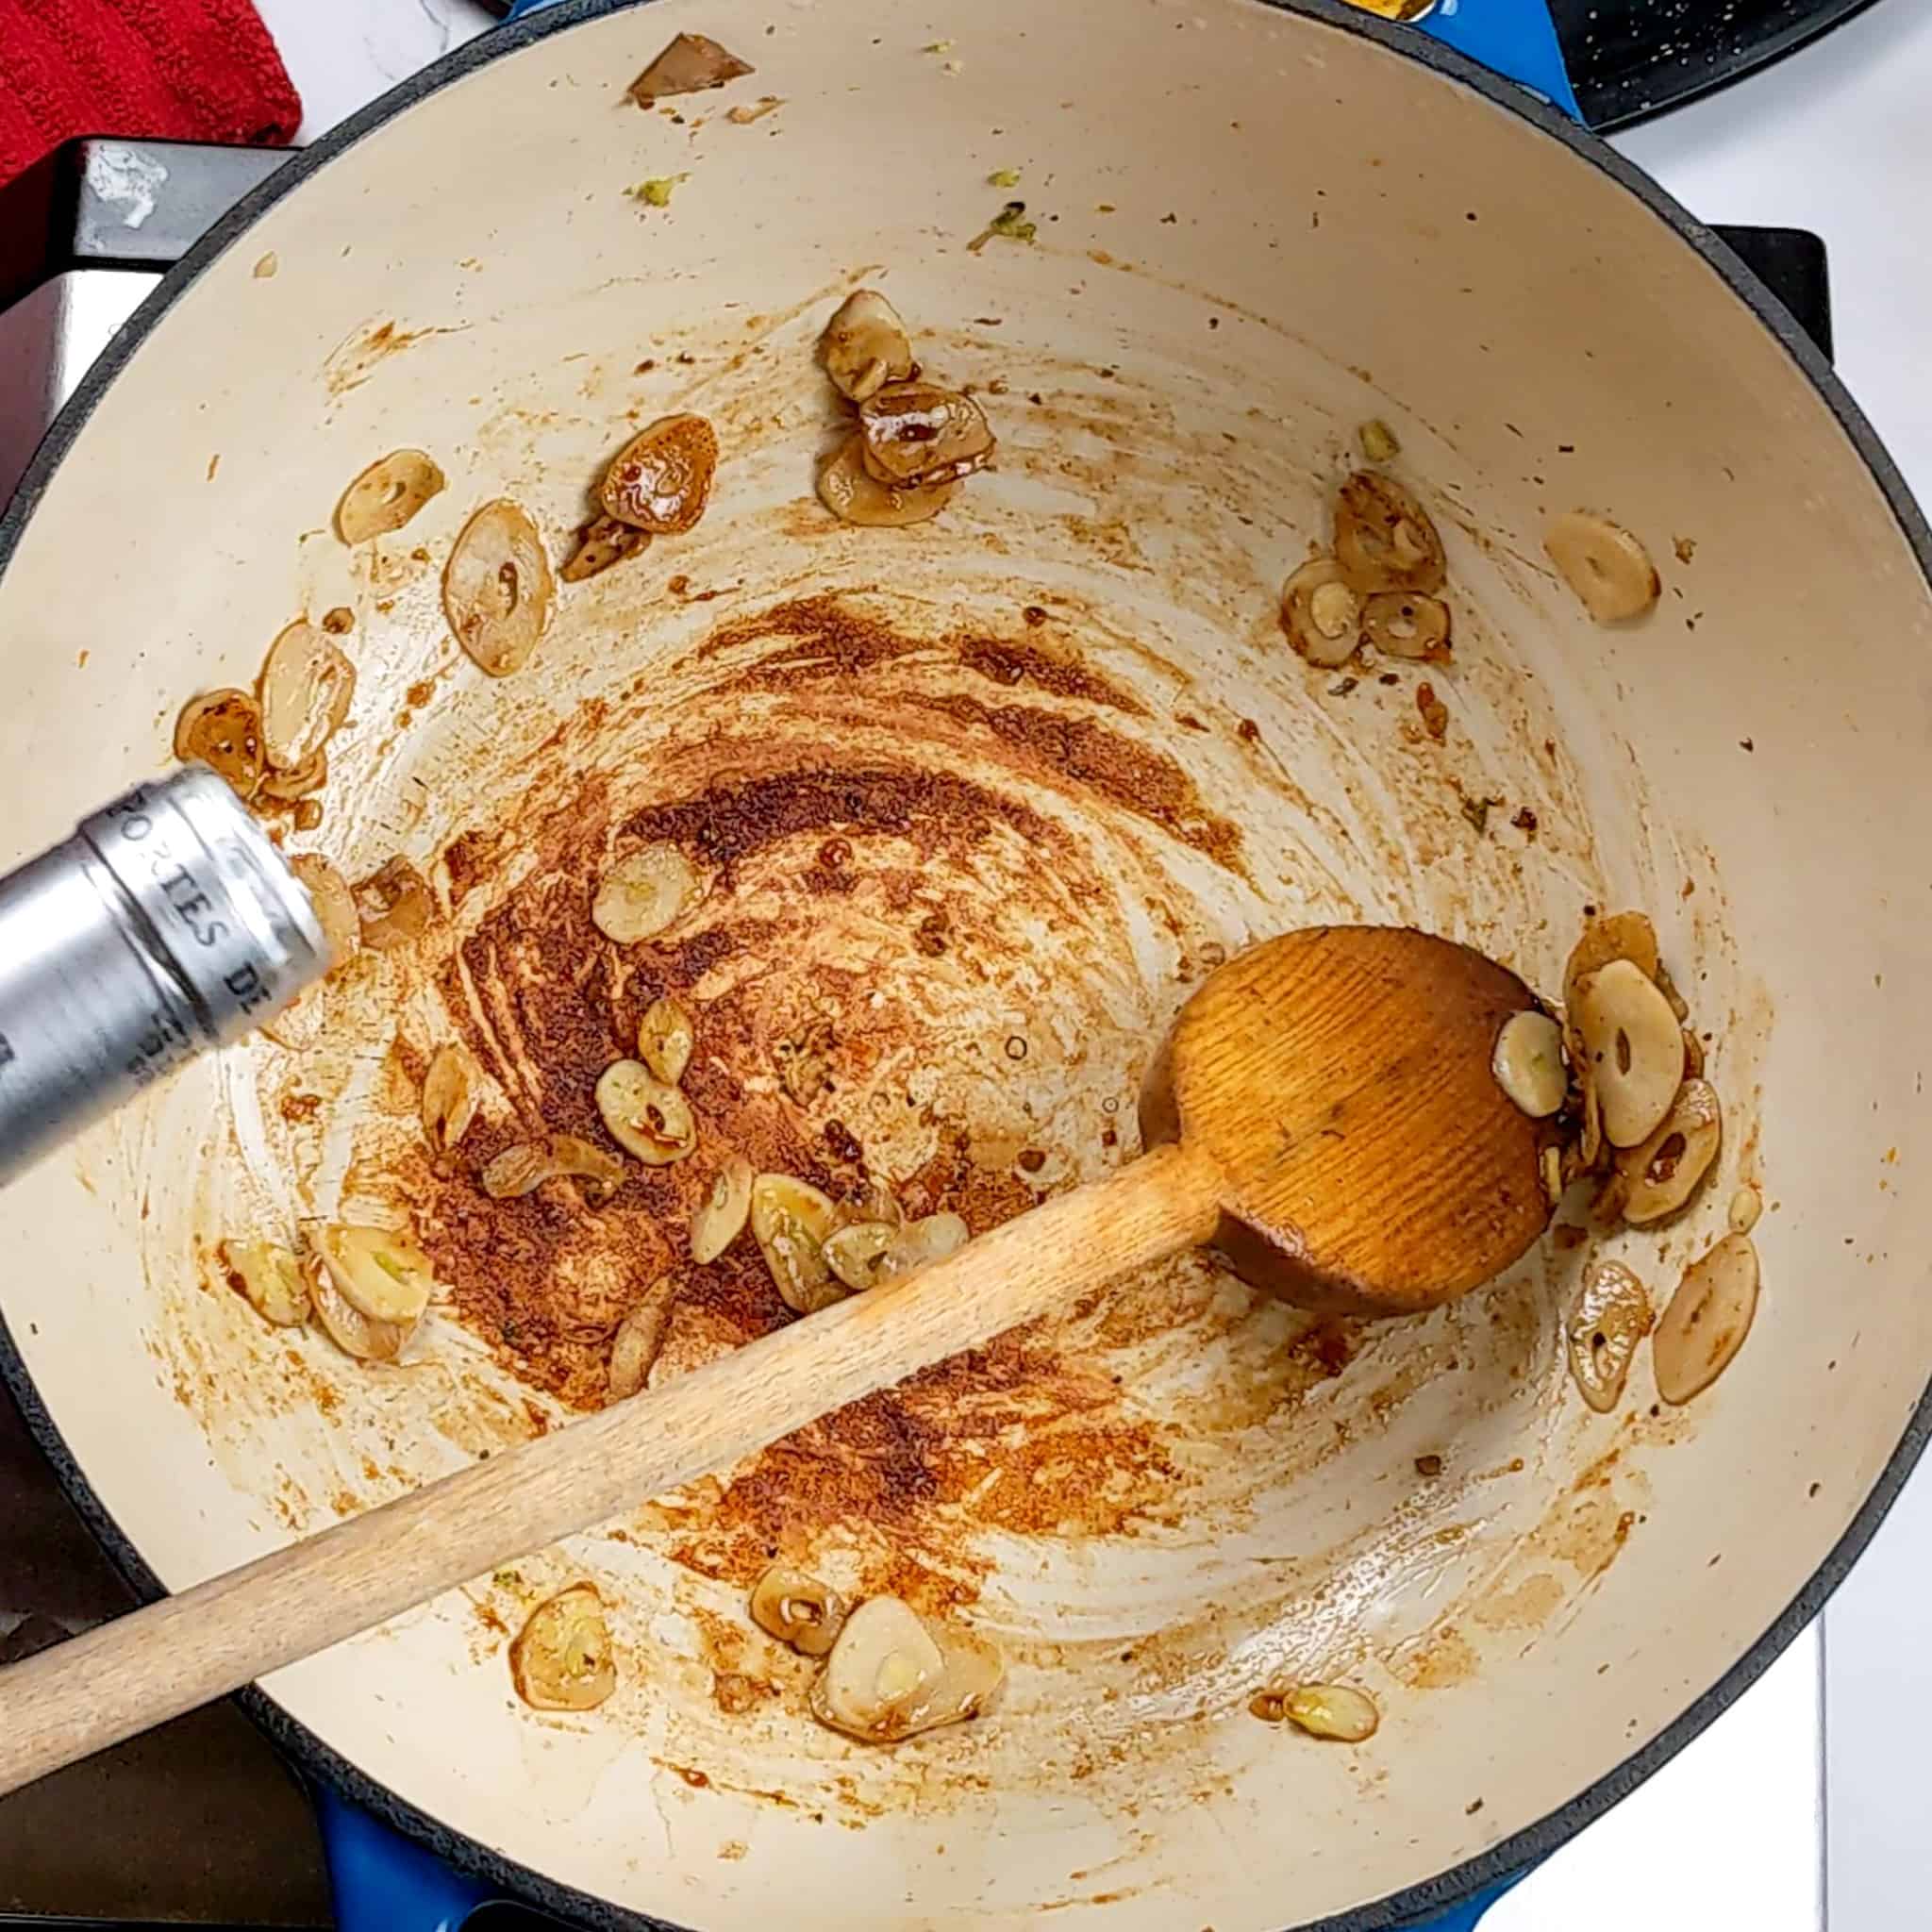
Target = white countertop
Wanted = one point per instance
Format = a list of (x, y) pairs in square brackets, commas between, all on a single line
[(1838, 140)]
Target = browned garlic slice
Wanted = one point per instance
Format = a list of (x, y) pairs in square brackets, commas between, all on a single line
[(865, 347), (305, 688), (1528, 1063), (1708, 1319), (1384, 540), (394, 906), (665, 1039), (601, 542), (855, 496), (523, 1169), (791, 1221), (1404, 624), (1608, 568), (271, 1278), (660, 480), (303, 781), (1633, 1049), (721, 1216), (335, 904), (915, 433), (381, 1274), (888, 1676), (1616, 936), (1609, 1316), (452, 1092), (498, 588), (1664, 1172), (689, 65), (562, 1658), (640, 1337), (645, 1115), (223, 729), (1337, 1712), (797, 1609), (644, 892), (387, 494), (1321, 615)]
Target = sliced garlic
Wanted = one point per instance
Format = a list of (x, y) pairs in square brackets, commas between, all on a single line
[(915, 433), (1321, 614), (387, 494), (1528, 1063), (271, 1278), (498, 588), (1708, 1319), (394, 905), (881, 1674), (452, 1092), (1333, 1710), (351, 1330), (381, 1274), (1608, 568), (855, 496), (640, 1337), (865, 347), (306, 685), (660, 480), (856, 1252), (523, 1169), (334, 903), (562, 1658), (303, 781), (791, 1221), (1609, 1316), (1384, 540), (797, 1609), (646, 1116), (1617, 936), (1747, 1204), (223, 729), (665, 1039), (644, 892), (601, 542), (1633, 1050), (721, 1216), (1664, 1172), (1404, 624)]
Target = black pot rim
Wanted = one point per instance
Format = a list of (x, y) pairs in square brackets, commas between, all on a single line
[(1415, 1904)]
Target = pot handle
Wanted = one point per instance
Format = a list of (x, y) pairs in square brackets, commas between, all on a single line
[(381, 1882)]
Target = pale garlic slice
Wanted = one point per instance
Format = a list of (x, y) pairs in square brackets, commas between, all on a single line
[(562, 1658), (646, 1116), (1528, 1063), (1665, 1171), (791, 1221), (1336, 1712), (498, 589), (1384, 539), (855, 496), (387, 494), (865, 345), (889, 1677), (1604, 564), (380, 1273), (855, 1252), (269, 1278), (1608, 1317), (1708, 1319), (1321, 614), (1633, 1050), (643, 892), (666, 1039), (452, 1092), (871, 1252), (797, 1609), (1404, 624), (719, 1217), (307, 685), (344, 1325)]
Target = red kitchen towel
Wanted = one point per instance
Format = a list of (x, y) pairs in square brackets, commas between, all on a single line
[(185, 70)]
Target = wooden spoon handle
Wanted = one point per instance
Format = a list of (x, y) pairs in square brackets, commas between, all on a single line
[(97, 1689)]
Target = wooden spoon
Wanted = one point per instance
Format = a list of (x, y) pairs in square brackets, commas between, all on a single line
[(1324, 1112)]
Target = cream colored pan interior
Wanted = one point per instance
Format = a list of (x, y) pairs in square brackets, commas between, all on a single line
[(1256, 230)]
